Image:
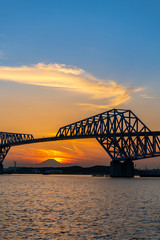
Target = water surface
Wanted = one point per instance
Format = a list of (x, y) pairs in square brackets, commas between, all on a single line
[(66, 207)]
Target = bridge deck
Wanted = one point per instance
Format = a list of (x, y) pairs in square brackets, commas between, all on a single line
[(61, 137), (120, 132)]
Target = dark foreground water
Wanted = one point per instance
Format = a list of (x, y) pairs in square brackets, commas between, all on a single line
[(78, 207)]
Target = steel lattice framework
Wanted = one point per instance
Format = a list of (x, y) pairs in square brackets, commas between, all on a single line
[(120, 132), (10, 139)]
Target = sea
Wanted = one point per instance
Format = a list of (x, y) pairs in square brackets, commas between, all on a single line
[(66, 207)]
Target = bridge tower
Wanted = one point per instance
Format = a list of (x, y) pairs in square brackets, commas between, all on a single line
[(122, 135), (121, 169), (3, 153)]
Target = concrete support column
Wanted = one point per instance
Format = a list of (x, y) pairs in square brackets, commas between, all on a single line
[(122, 169), (1, 168)]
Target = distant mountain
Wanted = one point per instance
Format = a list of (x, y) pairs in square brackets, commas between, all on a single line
[(53, 163)]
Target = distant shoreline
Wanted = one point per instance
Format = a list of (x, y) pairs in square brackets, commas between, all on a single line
[(95, 171)]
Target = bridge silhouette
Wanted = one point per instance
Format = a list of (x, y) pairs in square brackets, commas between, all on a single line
[(120, 132)]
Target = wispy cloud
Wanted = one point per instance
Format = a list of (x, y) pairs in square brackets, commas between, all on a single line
[(75, 149), (146, 96), (70, 78)]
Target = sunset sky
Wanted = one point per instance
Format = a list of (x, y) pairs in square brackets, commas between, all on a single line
[(62, 61)]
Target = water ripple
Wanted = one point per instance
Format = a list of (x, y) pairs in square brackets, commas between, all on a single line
[(78, 207)]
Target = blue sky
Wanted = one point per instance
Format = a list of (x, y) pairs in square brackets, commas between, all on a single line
[(115, 41)]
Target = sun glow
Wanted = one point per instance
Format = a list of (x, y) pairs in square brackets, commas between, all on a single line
[(60, 156)]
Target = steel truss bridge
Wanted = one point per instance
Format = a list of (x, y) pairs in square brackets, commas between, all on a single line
[(120, 132)]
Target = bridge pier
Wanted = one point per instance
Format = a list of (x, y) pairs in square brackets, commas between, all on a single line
[(122, 169), (1, 168)]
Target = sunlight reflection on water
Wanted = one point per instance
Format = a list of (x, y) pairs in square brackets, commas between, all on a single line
[(78, 207)]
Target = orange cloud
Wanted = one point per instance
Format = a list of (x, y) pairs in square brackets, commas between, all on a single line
[(72, 79), (60, 156), (75, 149)]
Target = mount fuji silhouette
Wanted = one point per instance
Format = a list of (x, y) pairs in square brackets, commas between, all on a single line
[(53, 163)]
